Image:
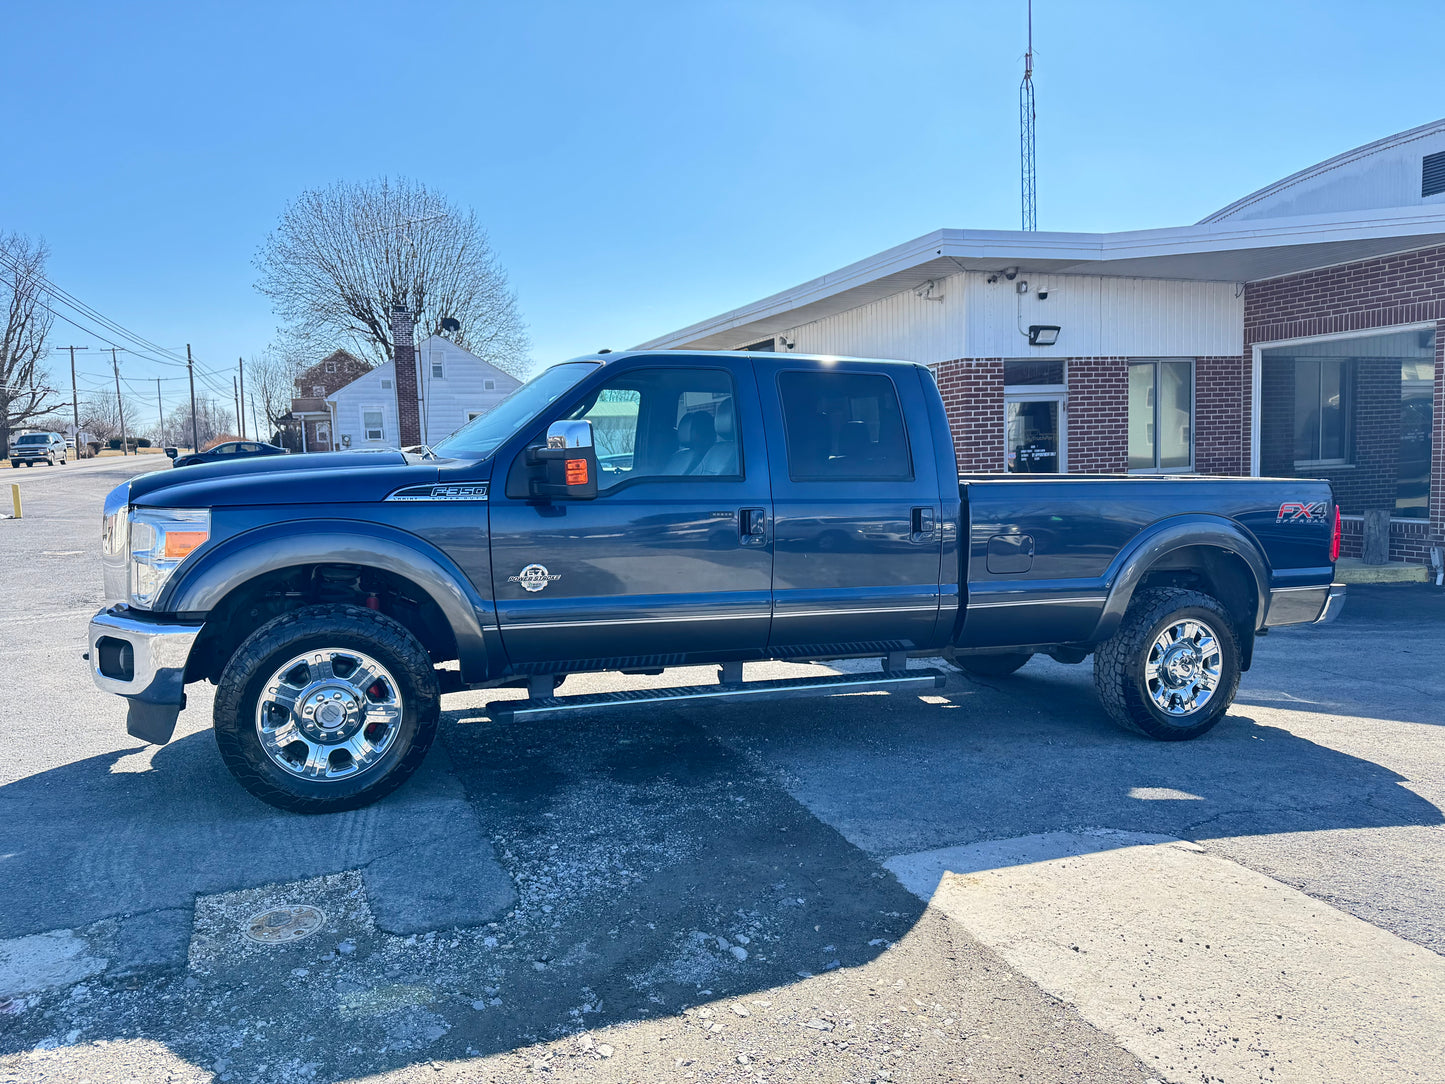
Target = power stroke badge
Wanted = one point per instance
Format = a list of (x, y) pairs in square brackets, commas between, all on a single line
[(533, 578)]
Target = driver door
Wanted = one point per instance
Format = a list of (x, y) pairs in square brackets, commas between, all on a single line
[(673, 560)]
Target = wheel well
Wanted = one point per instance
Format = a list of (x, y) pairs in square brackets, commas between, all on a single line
[(1216, 572), (249, 606)]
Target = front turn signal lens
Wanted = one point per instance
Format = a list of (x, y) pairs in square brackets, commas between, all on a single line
[(180, 543), (576, 472)]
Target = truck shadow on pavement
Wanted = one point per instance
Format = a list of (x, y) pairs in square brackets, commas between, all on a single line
[(642, 866)]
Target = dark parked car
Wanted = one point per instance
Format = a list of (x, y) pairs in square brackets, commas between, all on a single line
[(225, 453)]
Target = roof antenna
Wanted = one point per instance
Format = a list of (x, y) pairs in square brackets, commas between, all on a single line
[(1026, 134)]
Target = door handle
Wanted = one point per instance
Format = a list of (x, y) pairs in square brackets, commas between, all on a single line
[(753, 526), (922, 524)]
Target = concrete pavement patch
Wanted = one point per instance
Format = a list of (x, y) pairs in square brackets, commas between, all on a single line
[(1200, 967)]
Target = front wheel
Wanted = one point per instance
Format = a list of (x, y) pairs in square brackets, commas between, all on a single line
[(326, 708), (1171, 670)]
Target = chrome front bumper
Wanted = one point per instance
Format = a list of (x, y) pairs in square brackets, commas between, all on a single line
[(143, 660)]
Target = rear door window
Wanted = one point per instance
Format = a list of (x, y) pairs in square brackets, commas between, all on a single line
[(843, 427)]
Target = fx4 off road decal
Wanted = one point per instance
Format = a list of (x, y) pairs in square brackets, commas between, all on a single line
[(533, 578), (1298, 512)]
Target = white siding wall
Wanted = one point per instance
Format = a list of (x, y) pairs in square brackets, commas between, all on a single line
[(1100, 317), (461, 390), (366, 393)]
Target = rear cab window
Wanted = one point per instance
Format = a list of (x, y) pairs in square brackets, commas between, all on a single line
[(843, 427)]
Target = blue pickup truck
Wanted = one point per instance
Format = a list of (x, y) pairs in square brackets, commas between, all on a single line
[(641, 511)]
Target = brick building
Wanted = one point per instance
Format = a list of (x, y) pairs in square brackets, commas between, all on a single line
[(309, 426), (1297, 332)]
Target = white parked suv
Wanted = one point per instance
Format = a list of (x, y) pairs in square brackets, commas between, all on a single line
[(32, 448)]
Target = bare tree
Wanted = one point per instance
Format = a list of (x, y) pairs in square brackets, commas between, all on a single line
[(100, 416), (25, 391), (271, 378), (212, 422), (344, 256)]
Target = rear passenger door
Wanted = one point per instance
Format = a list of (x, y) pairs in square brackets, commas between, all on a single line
[(857, 536)]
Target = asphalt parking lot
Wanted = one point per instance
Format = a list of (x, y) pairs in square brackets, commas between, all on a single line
[(986, 884)]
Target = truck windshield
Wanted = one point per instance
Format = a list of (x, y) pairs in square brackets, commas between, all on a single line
[(33, 438), (480, 437)]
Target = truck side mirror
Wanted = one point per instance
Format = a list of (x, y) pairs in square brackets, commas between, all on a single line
[(568, 463), (171, 453)]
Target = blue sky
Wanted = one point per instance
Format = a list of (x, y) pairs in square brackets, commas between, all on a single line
[(641, 166)]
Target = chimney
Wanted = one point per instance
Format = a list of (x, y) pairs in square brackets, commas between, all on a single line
[(403, 352)]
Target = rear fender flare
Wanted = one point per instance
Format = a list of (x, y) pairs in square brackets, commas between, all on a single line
[(200, 588), (1177, 533)]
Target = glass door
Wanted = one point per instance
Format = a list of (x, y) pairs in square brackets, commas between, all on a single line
[(1034, 434)]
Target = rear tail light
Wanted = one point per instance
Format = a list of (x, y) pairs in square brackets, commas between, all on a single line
[(1335, 537)]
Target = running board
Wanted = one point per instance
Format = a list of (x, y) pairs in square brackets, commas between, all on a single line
[(557, 707)]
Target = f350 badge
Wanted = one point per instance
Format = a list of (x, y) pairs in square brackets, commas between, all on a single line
[(533, 578)]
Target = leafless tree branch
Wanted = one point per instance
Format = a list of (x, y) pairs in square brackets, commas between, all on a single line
[(26, 394), (344, 256)]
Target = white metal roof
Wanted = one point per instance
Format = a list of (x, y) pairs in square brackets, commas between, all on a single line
[(1385, 173), (1224, 251)]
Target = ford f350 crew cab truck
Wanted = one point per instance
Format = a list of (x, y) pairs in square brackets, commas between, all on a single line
[(640, 511)]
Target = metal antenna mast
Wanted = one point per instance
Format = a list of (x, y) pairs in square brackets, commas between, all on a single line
[(1026, 134)]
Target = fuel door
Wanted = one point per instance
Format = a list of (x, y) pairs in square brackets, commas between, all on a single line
[(1010, 554)]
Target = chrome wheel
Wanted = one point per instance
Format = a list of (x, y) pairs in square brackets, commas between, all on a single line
[(328, 714), (1183, 667)]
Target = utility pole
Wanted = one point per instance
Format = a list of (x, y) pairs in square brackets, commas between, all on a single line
[(256, 424), (74, 395), (241, 397), (191, 372), (160, 415), (119, 402), (236, 395)]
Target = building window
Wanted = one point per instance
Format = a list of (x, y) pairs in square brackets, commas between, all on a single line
[(489, 385), (1321, 411), (1027, 374), (1358, 410), (331, 366), (438, 369), (318, 390), (1161, 415), (372, 425), (386, 385), (473, 415)]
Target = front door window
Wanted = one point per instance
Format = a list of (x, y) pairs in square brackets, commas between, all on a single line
[(1033, 434)]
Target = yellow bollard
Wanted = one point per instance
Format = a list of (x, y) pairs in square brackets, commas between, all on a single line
[(15, 498)]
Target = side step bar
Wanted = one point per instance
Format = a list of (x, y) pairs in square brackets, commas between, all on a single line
[(557, 707)]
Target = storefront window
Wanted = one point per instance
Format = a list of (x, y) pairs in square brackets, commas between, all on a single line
[(1358, 411), (1161, 415)]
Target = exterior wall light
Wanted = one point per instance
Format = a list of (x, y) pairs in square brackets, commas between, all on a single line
[(1043, 334)]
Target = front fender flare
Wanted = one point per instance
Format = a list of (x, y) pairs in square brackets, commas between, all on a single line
[(252, 553), (1177, 533)]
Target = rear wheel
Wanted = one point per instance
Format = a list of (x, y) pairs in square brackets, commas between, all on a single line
[(327, 708), (993, 666), (1171, 670)]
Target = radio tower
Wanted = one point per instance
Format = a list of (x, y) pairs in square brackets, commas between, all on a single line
[(1026, 133)]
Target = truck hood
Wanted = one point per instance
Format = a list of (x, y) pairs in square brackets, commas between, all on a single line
[(314, 478)]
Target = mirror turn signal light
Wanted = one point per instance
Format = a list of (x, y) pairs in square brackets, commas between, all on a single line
[(576, 472)]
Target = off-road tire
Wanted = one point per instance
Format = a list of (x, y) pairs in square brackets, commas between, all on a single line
[(335, 625), (992, 666), (1120, 660)]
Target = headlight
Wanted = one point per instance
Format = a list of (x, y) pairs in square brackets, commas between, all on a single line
[(160, 539)]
